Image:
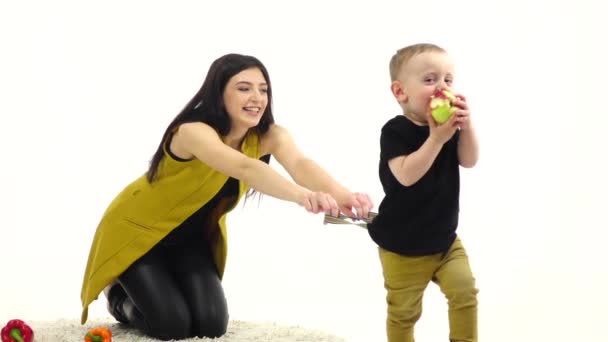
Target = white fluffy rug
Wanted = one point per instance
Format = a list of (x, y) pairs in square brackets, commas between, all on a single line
[(238, 331)]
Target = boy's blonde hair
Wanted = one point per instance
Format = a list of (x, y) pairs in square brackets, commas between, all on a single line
[(403, 55)]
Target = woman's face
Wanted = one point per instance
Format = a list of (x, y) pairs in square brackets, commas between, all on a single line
[(246, 98)]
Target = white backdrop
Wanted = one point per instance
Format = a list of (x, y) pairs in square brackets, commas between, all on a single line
[(87, 88)]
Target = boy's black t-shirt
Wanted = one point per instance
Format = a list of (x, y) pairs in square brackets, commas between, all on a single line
[(420, 219)]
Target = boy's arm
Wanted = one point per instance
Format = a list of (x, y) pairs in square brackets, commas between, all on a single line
[(468, 147), (410, 168)]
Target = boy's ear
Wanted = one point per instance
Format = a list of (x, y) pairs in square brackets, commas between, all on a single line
[(398, 91)]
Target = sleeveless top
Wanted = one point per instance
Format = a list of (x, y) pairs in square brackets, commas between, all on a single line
[(144, 213)]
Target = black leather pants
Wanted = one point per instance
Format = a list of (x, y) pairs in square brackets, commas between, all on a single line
[(172, 292)]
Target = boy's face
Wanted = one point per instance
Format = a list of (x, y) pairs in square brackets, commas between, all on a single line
[(419, 78)]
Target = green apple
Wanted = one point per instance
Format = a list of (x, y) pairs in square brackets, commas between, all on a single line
[(442, 105)]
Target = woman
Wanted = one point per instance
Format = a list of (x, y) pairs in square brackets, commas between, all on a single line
[(160, 249)]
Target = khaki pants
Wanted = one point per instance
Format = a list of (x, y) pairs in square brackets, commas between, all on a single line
[(406, 278)]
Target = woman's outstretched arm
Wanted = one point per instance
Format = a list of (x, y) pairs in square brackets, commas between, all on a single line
[(202, 142), (307, 173)]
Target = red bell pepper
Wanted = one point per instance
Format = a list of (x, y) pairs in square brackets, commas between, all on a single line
[(17, 330), (98, 335)]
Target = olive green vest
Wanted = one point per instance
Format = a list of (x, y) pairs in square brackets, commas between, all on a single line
[(143, 213)]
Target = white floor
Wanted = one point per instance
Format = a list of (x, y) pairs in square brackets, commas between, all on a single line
[(238, 331), (328, 278)]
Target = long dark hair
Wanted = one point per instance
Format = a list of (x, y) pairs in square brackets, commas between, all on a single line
[(208, 104)]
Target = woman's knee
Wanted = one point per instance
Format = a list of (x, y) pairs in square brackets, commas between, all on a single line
[(173, 323), (213, 322)]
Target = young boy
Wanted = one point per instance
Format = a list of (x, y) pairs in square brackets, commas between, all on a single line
[(416, 224)]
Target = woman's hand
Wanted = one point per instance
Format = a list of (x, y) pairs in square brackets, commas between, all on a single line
[(316, 202), (360, 202)]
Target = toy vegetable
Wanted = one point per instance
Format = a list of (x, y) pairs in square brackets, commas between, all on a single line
[(17, 331), (98, 335)]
